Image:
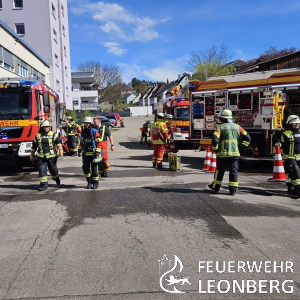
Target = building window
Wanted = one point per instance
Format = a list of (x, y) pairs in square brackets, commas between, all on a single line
[(34, 73), (43, 77), (75, 102), (64, 30), (55, 35), (57, 85), (53, 11), (67, 91), (65, 51), (18, 4), (0, 4), (56, 60), (66, 70), (62, 10), (20, 29), (8, 60), (22, 68)]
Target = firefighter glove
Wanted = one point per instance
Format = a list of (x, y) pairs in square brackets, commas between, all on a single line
[(61, 152), (32, 158)]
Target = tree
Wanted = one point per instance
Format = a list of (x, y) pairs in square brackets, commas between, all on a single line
[(141, 87), (108, 78), (72, 114), (86, 113), (269, 54), (135, 82), (209, 56), (211, 69)]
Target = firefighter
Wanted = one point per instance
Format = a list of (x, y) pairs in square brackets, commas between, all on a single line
[(77, 134), (225, 142), (91, 153), (290, 143), (71, 127), (104, 134), (175, 90), (144, 133), (44, 144), (168, 118), (160, 137)]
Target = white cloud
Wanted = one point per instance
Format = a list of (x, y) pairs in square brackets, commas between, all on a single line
[(115, 19), (114, 48)]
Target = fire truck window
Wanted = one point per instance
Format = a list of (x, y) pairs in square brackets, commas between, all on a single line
[(244, 101), (255, 101), (233, 99)]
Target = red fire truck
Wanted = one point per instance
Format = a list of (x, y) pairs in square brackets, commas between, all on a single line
[(180, 109), (23, 105), (260, 103)]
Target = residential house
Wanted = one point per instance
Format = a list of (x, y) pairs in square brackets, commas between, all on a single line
[(84, 91)]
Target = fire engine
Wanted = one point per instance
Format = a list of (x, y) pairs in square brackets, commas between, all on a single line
[(23, 105), (180, 109), (260, 103)]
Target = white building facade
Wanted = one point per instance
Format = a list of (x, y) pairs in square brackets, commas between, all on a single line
[(43, 25), (18, 59), (84, 91)]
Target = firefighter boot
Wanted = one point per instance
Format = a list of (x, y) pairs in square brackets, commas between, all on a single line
[(42, 188), (215, 188), (154, 165), (89, 185), (159, 166), (232, 190), (57, 180), (95, 185), (105, 174), (297, 190), (290, 190)]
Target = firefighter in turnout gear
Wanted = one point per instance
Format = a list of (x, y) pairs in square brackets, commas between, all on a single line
[(104, 135), (290, 144), (71, 127), (160, 138), (225, 142), (44, 144), (144, 133), (77, 134), (169, 125), (91, 153)]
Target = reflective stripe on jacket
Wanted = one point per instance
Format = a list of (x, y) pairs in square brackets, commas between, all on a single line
[(227, 138), (45, 143), (159, 133), (290, 143)]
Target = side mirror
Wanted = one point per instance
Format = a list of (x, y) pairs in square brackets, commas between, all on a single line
[(46, 109), (46, 99)]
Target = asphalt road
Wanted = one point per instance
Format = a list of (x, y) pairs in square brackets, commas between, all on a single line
[(73, 243)]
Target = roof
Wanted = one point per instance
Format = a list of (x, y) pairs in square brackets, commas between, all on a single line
[(21, 41), (171, 85)]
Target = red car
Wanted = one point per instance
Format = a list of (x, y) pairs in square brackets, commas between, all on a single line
[(116, 114)]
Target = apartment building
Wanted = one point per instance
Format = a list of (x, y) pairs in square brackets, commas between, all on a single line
[(84, 91), (43, 25)]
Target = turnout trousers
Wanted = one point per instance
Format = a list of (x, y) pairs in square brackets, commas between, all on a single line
[(293, 167), (43, 164), (90, 169), (158, 153), (72, 144), (104, 166), (233, 166)]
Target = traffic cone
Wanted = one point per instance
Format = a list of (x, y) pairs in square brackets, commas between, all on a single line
[(207, 160), (172, 145), (278, 170), (213, 163)]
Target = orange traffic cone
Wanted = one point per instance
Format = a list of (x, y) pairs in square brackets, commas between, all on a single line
[(172, 145), (278, 170), (213, 163), (207, 159)]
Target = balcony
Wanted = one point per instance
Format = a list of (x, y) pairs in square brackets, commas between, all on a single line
[(89, 106)]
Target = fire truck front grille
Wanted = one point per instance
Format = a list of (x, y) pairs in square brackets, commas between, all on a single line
[(7, 133)]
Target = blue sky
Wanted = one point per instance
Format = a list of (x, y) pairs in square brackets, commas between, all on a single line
[(153, 39)]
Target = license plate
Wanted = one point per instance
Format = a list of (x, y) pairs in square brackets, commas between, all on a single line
[(3, 145)]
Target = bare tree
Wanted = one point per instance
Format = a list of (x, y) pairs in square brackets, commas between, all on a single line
[(209, 56), (108, 78)]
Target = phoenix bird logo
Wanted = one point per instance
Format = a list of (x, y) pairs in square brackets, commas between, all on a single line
[(172, 280)]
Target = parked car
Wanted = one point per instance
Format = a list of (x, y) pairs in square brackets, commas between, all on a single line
[(113, 118), (104, 121), (116, 114)]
